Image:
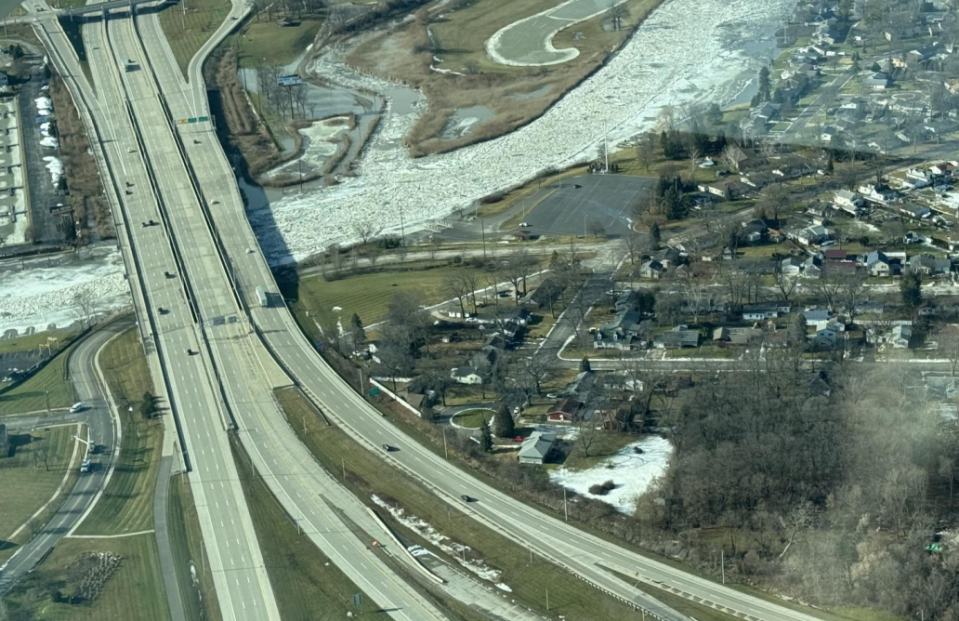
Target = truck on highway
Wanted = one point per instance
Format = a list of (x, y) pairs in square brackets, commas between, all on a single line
[(131, 65), (263, 297)]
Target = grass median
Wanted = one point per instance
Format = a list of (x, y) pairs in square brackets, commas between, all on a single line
[(188, 25), (29, 476), (199, 597), (307, 585), (49, 388), (367, 474), (127, 503)]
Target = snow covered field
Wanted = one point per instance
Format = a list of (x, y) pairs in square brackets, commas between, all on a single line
[(631, 472), (671, 59), (42, 294)]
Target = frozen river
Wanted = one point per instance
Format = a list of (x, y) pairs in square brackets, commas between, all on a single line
[(686, 50)]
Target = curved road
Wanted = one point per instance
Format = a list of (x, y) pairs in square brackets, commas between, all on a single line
[(102, 432)]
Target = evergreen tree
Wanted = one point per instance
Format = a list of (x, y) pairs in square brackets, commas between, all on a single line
[(486, 437), (147, 405), (655, 235), (911, 289), (765, 85), (796, 331), (504, 424), (357, 330), (584, 365)]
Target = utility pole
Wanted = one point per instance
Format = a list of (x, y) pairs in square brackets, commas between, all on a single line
[(565, 511), (483, 233), (547, 599), (445, 448), (722, 563), (343, 464), (606, 143)]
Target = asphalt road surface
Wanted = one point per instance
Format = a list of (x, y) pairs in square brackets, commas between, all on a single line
[(101, 431), (578, 205)]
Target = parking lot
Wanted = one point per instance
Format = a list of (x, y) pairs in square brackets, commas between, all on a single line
[(581, 204)]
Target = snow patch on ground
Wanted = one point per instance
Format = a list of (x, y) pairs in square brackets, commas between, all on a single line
[(670, 60), (632, 473), (456, 550), (41, 295)]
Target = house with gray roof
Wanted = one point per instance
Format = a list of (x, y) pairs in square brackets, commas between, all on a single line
[(536, 448)]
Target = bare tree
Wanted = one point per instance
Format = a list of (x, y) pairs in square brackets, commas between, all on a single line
[(459, 289), (646, 150), (516, 269), (617, 14), (83, 305), (948, 340), (586, 436), (366, 229), (784, 282)]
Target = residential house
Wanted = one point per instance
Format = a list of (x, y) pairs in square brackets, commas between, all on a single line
[(812, 267), (848, 201), (944, 169), (817, 318), (668, 256), (546, 294), (652, 269), (877, 81), (877, 193), (624, 331), (739, 158), (826, 337), (738, 336), (768, 111), (581, 386), (536, 448), (837, 254), (479, 368), (734, 189), (765, 310), (827, 134), (755, 232), (677, 338), (630, 300), (791, 266), (900, 335), (930, 265), (811, 235), (878, 264), (919, 212), (918, 178), (564, 411)]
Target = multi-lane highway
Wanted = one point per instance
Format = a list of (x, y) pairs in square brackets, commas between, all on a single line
[(585, 554), (209, 258), (218, 373)]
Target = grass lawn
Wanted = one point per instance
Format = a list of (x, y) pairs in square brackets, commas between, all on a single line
[(307, 585), (188, 31), (369, 295), (134, 591), (187, 543), (368, 474), (681, 605), (31, 475), (472, 419), (31, 395), (265, 42), (28, 342), (127, 504)]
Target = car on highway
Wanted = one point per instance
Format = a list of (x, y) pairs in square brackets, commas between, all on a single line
[(524, 225), (86, 466), (191, 352), (388, 448), (79, 406), (466, 498), (150, 223), (162, 310)]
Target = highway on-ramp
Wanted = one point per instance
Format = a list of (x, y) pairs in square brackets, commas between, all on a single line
[(101, 430)]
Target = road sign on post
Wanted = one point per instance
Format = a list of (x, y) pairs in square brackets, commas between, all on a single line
[(289, 80), (357, 600)]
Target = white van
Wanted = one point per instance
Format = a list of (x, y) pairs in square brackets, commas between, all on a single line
[(77, 407)]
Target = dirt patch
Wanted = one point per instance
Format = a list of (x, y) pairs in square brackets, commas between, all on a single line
[(84, 191), (452, 70)]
